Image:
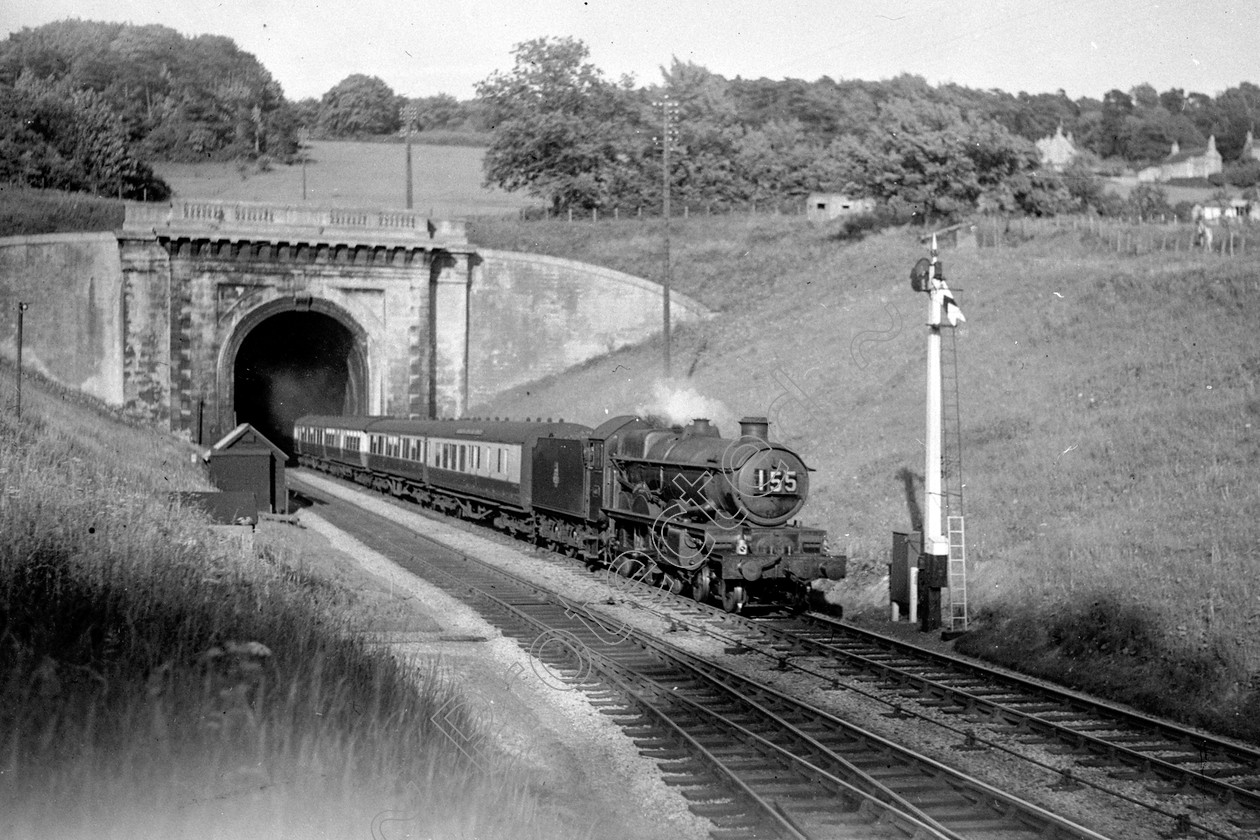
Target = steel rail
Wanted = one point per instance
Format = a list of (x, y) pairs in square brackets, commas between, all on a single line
[(1201, 748)]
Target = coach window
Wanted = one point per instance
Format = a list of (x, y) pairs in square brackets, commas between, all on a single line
[(463, 453)]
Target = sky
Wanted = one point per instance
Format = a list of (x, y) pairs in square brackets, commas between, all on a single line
[(422, 48)]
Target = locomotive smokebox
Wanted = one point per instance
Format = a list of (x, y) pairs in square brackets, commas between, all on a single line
[(757, 427)]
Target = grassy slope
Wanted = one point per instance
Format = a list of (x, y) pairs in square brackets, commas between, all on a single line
[(135, 700), (1110, 421), (25, 212)]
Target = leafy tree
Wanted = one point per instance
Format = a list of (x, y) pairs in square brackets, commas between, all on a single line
[(1237, 111), (1117, 107), (178, 97), (1243, 173), (1144, 96), (934, 159), (358, 105), (561, 130), (710, 134), (1149, 200), (776, 161), (1084, 186), (55, 137), (1173, 100)]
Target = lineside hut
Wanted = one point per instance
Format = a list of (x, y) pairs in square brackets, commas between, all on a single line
[(245, 460), (824, 207)]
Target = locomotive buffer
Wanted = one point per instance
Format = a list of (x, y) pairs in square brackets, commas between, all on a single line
[(943, 562)]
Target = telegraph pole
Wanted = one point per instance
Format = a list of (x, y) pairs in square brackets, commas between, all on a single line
[(669, 129), (304, 135), (409, 114), (22, 306)]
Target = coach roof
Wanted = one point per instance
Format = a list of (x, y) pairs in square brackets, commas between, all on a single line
[(501, 431)]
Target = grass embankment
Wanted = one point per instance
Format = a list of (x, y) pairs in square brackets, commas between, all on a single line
[(1110, 428), (156, 684), (26, 212)]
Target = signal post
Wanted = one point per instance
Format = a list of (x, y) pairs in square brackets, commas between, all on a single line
[(934, 557)]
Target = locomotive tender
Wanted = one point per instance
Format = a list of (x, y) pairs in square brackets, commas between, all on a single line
[(682, 508)]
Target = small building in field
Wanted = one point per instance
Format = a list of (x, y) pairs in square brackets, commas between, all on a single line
[(1227, 210), (824, 207)]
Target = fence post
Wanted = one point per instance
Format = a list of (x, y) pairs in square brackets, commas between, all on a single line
[(570, 215)]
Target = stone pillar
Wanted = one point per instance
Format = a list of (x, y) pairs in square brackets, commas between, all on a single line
[(448, 330), (146, 316)]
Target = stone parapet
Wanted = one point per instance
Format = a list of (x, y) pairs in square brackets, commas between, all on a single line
[(230, 220)]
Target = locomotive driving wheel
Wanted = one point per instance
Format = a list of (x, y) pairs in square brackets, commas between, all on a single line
[(702, 584), (730, 595)]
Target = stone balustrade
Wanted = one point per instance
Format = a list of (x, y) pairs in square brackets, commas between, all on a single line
[(271, 221)]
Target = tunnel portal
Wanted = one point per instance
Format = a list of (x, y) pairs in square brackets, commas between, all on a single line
[(296, 363)]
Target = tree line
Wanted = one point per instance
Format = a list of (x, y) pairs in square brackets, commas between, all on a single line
[(84, 105), (565, 132)]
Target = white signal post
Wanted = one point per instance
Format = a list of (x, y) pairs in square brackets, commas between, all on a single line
[(935, 543), (934, 564)]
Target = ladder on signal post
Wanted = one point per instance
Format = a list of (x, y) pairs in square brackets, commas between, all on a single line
[(957, 617), (951, 469)]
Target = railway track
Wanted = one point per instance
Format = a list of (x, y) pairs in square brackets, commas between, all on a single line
[(1165, 759), (754, 761)]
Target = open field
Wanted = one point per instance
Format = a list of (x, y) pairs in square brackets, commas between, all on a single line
[(1111, 424), (447, 180)]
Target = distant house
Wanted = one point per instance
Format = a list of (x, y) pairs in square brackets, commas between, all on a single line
[(823, 207), (1250, 150), (1218, 210), (1179, 164), (1057, 151)]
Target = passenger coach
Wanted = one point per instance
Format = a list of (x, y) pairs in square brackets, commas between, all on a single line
[(470, 461)]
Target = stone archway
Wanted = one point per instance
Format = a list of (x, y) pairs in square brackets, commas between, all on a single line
[(292, 357)]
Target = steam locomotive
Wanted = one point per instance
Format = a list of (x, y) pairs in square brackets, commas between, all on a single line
[(683, 508)]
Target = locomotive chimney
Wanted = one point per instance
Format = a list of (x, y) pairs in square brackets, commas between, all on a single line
[(701, 427), (757, 427)]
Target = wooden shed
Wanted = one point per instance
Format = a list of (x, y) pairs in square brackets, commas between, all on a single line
[(244, 460)]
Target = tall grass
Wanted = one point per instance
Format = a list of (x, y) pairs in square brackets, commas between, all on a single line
[(1109, 415), (153, 683), (25, 212)]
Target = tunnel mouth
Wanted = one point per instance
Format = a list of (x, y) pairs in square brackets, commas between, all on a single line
[(295, 363)]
